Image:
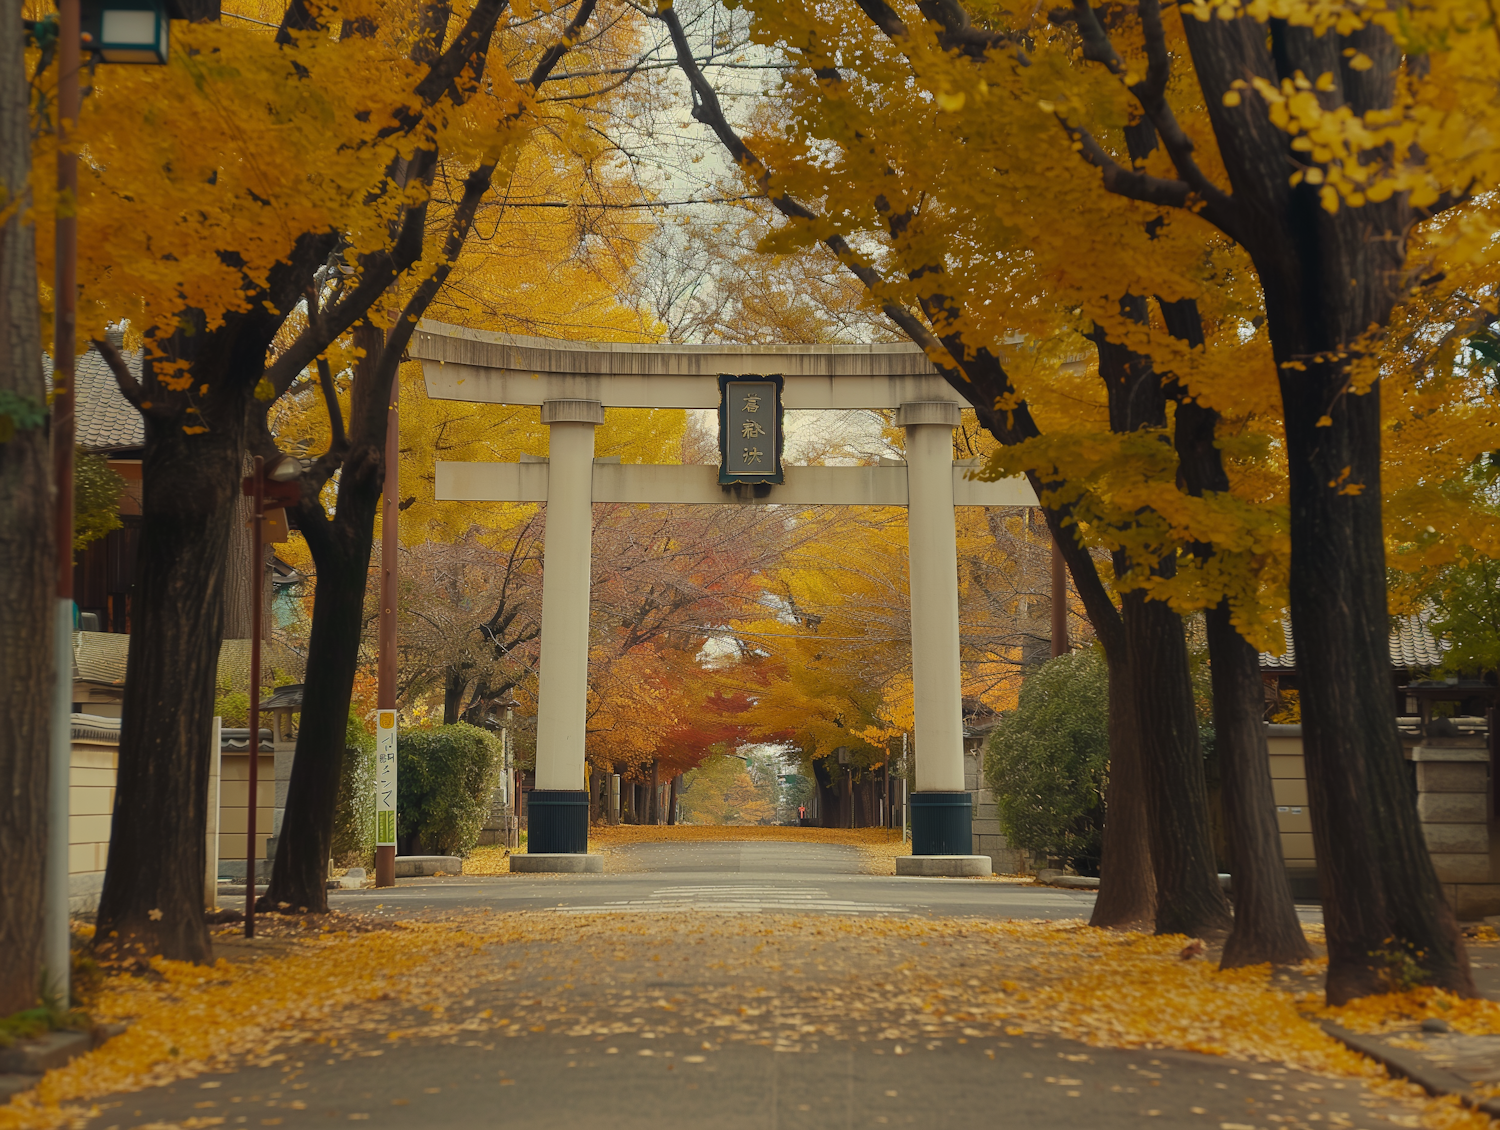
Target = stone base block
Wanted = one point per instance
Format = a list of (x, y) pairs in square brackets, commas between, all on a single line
[(1077, 882), (568, 863), (415, 866), (944, 866), (1453, 867), (1452, 777), (1473, 901), (1462, 839), (1452, 808)]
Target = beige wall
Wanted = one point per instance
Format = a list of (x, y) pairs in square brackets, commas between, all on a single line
[(91, 804), (234, 789)]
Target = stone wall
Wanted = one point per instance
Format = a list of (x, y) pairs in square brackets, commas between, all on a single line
[(988, 839), (1451, 777)]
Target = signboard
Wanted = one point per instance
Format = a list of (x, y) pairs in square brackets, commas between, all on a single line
[(750, 438), (385, 778)]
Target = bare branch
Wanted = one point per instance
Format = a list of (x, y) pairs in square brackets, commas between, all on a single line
[(130, 388), (338, 441)]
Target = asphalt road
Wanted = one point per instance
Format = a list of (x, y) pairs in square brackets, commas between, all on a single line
[(562, 1082), (732, 877), (718, 1028)]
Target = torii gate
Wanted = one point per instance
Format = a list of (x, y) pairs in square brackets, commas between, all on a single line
[(573, 382)]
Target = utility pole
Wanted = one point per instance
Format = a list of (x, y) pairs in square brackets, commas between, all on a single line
[(257, 611), (385, 700), (1060, 644), (56, 952)]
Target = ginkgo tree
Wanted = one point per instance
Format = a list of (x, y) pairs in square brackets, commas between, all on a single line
[(885, 170), (1307, 130), (268, 195)]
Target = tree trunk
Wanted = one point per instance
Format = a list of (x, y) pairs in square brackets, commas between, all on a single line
[(1327, 278), (1127, 884), (1381, 900), (672, 802), (27, 557), (454, 685), (655, 802), (152, 900), (1265, 920), (341, 549), (1189, 899)]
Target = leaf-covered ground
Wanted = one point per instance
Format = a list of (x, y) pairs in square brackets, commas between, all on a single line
[(878, 846), (788, 982)]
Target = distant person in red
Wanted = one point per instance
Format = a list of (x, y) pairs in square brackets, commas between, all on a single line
[(802, 814)]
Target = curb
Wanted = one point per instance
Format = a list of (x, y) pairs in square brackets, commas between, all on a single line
[(1407, 1064), (23, 1064)]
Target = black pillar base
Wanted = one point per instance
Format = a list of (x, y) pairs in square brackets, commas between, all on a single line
[(942, 823), (558, 821)]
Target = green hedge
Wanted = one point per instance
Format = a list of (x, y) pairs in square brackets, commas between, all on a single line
[(1047, 760), (444, 777), (354, 817)]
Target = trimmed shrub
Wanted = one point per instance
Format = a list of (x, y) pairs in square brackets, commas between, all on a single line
[(354, 817), (444, 777), (1047, 760)]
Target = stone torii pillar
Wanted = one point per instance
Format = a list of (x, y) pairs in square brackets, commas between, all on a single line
[(941, 811), (558, 808)]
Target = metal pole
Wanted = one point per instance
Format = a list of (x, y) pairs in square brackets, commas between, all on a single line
[(385, 691), (56, 957), (257, 586), (1059, 603), (905, 808)]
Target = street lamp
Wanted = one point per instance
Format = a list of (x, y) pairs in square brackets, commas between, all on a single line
[(125, 31), (124, 21)]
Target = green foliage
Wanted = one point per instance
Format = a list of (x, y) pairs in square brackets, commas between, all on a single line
[(1047, 759), (1467, 601), (724, 790), (18, 413), (354, 815), (444, 777), (96, 498)]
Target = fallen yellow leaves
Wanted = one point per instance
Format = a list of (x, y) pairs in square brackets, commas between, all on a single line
[(879, 846), (606, 835), (790, 982)]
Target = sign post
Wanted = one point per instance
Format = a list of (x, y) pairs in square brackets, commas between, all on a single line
[(385, 691), (385, 798)]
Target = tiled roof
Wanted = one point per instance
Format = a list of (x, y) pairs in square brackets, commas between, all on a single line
[(232, 740), (95, 728), (1412, 645), (99, 657), (107, 422)]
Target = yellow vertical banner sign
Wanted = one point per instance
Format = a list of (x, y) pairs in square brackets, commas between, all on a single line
[(385, 778)]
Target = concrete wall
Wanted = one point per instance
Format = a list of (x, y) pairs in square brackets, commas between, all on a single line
[(91, 803)]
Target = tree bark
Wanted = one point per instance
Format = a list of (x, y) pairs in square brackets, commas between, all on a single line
[(672, 801), (1189, 899), (1265, 920), (27, 554), (1127, 883), (655, 802), (152, 900)]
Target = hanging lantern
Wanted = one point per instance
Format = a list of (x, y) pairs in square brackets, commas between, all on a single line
[(126, 31)]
